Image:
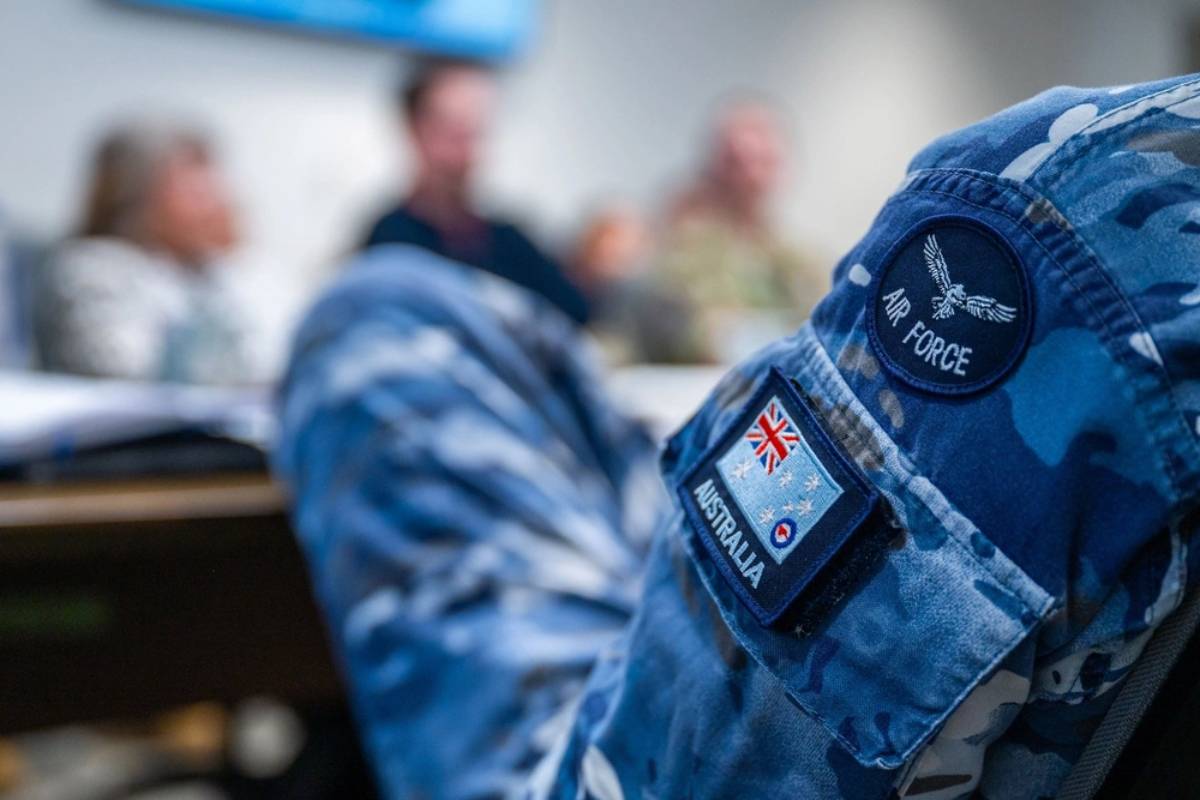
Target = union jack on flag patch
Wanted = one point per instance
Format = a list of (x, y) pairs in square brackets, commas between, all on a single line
[(771, 527), (773, 436)]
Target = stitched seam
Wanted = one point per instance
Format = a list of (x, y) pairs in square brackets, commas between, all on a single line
[(1069, 169), (1122, 357), (751, 646), (908, 473), (1069, 161), (1074, 147), (1007, 646), (905, 479), (819, 364), (851, 468)]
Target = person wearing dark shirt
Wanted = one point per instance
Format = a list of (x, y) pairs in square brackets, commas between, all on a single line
[(446, 107)]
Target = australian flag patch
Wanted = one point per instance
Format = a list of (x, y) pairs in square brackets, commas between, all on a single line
[(775, 499)]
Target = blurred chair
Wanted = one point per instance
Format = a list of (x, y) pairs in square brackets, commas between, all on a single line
[(20, 259)]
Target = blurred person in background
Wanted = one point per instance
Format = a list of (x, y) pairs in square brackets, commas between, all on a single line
[(135, 294), (721, 254), (630, 316), (447, 106)]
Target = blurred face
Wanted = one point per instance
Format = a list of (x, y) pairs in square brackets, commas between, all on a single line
[(448, 127), (748, 155), (613, 246), (189, 213)]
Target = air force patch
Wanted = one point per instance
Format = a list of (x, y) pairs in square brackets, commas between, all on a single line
[(775, 499), (952, 307)]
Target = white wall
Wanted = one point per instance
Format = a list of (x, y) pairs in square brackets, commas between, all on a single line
[(608, 106)]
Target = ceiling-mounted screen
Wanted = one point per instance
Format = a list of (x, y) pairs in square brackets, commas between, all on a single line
[(489, 29)]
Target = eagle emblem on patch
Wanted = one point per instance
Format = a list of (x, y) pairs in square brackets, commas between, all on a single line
[(953, 296)]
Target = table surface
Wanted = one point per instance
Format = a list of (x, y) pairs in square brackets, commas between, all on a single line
[(25, 506)]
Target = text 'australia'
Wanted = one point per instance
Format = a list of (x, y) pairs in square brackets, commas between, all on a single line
[(725, 530)]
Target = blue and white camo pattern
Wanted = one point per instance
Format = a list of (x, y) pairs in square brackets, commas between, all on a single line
[(474, 513), (1042, 528)]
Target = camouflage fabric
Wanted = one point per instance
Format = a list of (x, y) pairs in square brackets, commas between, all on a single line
[(474, 513), (1036, 530), (738, 290)]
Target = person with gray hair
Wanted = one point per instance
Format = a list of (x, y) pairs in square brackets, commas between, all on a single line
[(133, 295)]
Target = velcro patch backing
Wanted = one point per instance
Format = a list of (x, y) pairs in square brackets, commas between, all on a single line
[(775, 499)]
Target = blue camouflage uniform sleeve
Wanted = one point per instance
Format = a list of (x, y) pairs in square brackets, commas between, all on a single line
[(473, 512), (1034, 719), (1009, 359)]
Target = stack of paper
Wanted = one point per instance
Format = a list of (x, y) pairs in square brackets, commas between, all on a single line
[(51, 416)]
